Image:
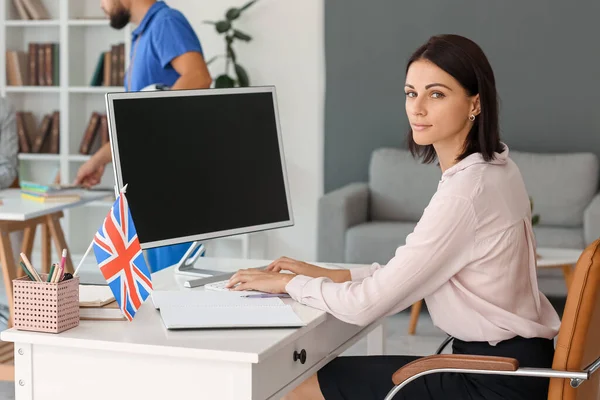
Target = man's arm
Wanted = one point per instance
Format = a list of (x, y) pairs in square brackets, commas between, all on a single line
[(193, 70), (176, 44), (103, 156), (90, 173)]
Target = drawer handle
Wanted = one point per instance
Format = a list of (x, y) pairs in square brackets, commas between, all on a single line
[(300, 356)]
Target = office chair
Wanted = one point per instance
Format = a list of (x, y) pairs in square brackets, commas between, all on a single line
[(574, 374)]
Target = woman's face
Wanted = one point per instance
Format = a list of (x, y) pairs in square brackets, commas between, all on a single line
[(437, 106)]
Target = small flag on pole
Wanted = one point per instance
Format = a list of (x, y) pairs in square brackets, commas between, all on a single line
[(120, 258)]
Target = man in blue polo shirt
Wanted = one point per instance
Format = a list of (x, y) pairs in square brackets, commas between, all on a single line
[(164, 51)]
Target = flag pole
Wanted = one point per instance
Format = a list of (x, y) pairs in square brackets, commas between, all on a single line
[(84, 257)]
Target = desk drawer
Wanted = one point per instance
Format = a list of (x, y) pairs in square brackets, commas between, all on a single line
[(294, 359)]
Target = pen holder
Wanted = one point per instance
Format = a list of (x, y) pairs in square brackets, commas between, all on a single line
[(44, 306)]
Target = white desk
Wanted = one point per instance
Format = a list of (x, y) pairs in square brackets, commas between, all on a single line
[(143, 360), (15, 208), (17, 214)]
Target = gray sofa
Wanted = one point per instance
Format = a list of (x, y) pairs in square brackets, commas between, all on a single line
[(365, 222)]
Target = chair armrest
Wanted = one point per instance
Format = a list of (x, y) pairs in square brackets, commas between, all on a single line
[(468, 364), (338, 211), (454, 361), (591, 221)]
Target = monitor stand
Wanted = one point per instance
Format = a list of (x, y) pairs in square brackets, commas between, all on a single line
[(185, 266)]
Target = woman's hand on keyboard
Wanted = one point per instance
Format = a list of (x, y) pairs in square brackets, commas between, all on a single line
[(252, 279), (302, 268)]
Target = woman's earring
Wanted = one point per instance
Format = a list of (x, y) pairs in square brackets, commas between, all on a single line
[(472, 118)]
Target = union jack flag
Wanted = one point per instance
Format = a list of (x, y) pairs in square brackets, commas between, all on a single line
[(120, 258)]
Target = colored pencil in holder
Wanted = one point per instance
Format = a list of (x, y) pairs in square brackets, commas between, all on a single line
[(55, 274), (24, 268), (31, 268), (49, 279)]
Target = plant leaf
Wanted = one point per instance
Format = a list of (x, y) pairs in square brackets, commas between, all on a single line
[(223, 26), (242, 76), (535, 220), (224, 81), (233, 14), (247, 5), (241, 35)]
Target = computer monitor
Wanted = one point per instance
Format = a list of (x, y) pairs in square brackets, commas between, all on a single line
[(199, 164)]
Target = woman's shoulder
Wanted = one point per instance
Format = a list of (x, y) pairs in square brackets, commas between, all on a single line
[(484, 181)]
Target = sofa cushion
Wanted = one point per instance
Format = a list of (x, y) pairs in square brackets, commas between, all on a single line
[(561, 185), (548, 236), (375, 241), (400, 186)]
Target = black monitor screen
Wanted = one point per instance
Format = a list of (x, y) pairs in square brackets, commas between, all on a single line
[(200, 165)]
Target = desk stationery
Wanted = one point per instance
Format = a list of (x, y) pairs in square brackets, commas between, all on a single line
[(18, 214), (142, 359)]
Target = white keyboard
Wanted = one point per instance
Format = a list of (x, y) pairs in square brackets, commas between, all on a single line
[(220, 286)]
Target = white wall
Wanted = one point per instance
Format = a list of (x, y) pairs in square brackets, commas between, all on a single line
[(288, 52)]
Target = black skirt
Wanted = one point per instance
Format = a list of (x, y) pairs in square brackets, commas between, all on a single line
[(370, 377)]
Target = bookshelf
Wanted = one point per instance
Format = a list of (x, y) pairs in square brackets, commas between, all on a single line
[(82, 33)]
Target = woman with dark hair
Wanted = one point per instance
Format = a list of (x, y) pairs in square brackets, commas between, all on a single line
[(472, 255)]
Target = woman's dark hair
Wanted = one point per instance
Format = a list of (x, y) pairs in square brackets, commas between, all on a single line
[(465, 61)]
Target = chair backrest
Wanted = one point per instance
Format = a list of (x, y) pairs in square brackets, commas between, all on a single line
[(400, 187), (561, 185), (578, 342)]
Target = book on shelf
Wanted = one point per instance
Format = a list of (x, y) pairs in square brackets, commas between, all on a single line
[(95, 134), (54, 142), (98, 76), (43, 64), (38, 66), (23, 127), (110, 67), (44, 138), (31, 9), (16, 68)]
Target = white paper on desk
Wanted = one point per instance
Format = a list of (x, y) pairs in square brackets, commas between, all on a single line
[(207, 298), (175, 317), (208, 309)]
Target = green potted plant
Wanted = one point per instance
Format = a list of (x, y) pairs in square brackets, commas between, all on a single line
[(231, 35)]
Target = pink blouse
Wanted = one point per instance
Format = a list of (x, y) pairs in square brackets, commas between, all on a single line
[(471, 257)]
